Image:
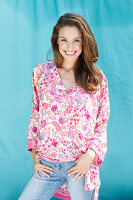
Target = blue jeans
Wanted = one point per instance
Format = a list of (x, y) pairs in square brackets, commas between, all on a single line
[(45, 188)]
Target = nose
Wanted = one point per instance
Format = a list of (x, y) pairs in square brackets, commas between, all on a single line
[(70, 46)]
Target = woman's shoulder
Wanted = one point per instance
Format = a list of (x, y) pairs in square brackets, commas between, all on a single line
[(44, 66), (42, 69)]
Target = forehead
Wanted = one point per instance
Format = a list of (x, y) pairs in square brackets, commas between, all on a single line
[(69, 31)]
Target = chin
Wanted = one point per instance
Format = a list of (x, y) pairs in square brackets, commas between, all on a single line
[(70, 59)]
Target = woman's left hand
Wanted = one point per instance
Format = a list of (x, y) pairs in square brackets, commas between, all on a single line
[(83, 164)]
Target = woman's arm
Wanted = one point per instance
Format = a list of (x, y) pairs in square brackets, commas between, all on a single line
[(99, 141), (35, 156), (91, 153), (34, 119)]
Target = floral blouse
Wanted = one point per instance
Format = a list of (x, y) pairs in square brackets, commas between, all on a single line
[(65, 123)]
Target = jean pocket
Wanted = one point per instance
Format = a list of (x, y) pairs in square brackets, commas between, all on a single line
[(44, 162), (41, 160)]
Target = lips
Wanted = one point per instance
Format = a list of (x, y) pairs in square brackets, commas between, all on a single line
[(70, 53)]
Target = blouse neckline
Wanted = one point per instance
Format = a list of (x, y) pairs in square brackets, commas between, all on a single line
[(74, 87)]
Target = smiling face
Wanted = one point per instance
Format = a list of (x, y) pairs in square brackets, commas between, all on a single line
[(70, 43)]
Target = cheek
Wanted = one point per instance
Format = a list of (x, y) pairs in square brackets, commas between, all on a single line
[(61, 47), (61, 50), (80, 48)]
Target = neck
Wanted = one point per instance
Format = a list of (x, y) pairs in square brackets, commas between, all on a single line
[(68, 65)]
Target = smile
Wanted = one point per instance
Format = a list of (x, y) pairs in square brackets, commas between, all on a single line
[(70, 54)]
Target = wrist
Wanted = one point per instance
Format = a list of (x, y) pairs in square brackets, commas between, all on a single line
[(91, 153), (34, 151)]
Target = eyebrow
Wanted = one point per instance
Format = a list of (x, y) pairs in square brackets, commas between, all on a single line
[(73, 38)]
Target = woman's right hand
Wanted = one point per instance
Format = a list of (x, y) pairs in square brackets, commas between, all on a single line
[(38, 166)]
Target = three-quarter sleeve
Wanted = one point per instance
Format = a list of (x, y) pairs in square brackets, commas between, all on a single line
[(33, 129), (99, 139)]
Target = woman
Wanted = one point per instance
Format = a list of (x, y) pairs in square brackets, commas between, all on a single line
[(70, 110)]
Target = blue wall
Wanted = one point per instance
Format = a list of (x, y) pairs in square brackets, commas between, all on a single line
[(25, 31)]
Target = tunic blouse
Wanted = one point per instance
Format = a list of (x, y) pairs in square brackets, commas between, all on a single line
[(65, 123)]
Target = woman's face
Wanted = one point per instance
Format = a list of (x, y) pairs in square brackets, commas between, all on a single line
[(70, 43)]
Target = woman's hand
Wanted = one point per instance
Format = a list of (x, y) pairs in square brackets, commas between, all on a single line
[(38, 166), (83, 164)]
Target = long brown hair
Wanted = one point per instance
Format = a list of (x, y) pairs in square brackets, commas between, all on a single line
[(87, 74)]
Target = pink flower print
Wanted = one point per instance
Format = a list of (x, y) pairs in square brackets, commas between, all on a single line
[(68, 91), (34, 89), (101, 94), (69, 108), (78, 100), (75, 146), (53, 154), (60, 90), (80, 136), (71, 135), (84, 127), (104, 121), (45, 105), (54, 143), (43, 123), (82, 151), (61, 120), (87, 115), (87, 140), (93, 173), (34, 129), (98, 98), (54, 108), (65, 143), (58, 98), (39, 75), (37, 107), (93, 100), (57, 126), (52, 92)]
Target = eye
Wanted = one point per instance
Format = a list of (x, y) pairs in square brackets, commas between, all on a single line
[(63, 40), (77, 40)]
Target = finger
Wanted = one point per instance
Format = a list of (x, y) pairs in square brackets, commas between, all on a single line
[(42, 166), (37, 158), (81, 175), (72, 169), (45, 166), (38, 174), (43, 170), (47, 170), (73, 172), (44, 173), (78, 174)]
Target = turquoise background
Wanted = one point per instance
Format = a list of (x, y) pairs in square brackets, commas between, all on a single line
[(25, 31)]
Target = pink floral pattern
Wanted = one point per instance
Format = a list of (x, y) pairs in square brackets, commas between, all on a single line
[(65, 123)]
